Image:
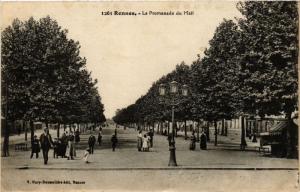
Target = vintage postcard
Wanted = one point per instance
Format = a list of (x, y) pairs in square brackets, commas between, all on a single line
[(149, 96)]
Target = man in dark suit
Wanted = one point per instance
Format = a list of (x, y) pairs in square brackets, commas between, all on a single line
[(46, 143), (91, 142)]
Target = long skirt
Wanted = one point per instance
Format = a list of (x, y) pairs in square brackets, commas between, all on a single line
[(139, 143), (192, 145)]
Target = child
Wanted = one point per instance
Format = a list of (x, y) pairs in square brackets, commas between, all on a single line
[(35, 145), (86, 155), (145, 143)]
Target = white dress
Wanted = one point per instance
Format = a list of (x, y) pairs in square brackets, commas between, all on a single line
[(86, 156), (145, 142)]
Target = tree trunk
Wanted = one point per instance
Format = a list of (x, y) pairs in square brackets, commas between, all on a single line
[(6, 131), (290, 141), (223, 126), (31, 130), (216, 133), (254, 140), (168, 127), (185, 132), (243, 139), (25, 129), (207, 131), (226, 129), (58, 127), (5, 148)]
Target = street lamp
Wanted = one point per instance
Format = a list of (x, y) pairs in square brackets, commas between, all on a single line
[(173, 90)]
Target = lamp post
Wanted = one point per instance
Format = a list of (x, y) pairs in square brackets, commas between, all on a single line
[(173, 92)]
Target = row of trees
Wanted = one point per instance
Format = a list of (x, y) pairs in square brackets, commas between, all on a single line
[(44, 78), (250, 68)]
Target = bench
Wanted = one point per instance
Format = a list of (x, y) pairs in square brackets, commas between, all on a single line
[(21, 147), (264, 150)]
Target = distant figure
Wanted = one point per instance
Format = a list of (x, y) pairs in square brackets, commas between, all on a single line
[(19, 130), (140, 141), (64, 144), (151, 134), (114, 141), (99, 138), (71, 145), (46, 143), (146, 143), (35, 147), (203, 141), (91, 142), (193, 141), (77, 136), (86, 155), (56, 145), (165, 132)]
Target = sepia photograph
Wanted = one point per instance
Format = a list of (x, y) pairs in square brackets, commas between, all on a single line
[(149, 96)]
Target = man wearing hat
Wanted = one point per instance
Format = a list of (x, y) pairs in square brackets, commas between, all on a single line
[(46, 143)]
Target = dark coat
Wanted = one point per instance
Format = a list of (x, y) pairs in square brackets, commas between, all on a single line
[(192, 143), (99, 137), (46, 141), (203, 140), (92, 140), (114, 140), (77, 136), (35, 145)]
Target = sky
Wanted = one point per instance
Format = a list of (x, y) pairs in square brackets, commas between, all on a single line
[(128, 53)]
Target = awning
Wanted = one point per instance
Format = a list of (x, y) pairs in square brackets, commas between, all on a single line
[(279, 128)]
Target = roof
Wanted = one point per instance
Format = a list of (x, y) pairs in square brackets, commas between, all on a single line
[(278, 129)]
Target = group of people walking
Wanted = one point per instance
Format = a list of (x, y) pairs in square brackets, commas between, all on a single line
[(203, 141), (65, 146), (145, 142)]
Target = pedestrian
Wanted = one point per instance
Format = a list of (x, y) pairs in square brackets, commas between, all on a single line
[(86, 155), (193, 141), (145, 143), (203, 141), (151, 134), (77, 136), (139, 141), (91, 142), (99, 138), (46, 143), (71, 146), (148, 141), (35, 147), (56, 145), (114, 141), (64, 144), (165, 132)]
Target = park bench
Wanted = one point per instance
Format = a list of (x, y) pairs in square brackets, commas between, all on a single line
[(263, 149), (21, 147)]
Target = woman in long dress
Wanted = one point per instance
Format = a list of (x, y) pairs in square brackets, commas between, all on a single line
[(193, 142), (203, 140), (139, 141)]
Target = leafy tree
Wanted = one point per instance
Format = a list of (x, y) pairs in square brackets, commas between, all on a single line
[(43, 75), (214, 77), (269, 63)]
